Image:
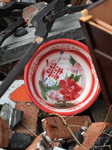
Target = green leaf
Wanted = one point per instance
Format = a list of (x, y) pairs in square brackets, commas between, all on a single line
[(41, 84), (72, 60), (72, 76), (77, 78), (54, 87), (43, 87), (43, 90), (43, 95)]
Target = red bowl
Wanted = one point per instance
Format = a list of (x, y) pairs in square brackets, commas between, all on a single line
[(61, 78)]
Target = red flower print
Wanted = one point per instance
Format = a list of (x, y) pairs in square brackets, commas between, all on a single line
[(69, 89)]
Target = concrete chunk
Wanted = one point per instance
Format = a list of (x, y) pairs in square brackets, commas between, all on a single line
[(20, 141)]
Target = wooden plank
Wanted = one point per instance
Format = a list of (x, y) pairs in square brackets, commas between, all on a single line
[(14, 48), (103, 24), (103, 11), (99, 12), (101, 38), (98, 36)]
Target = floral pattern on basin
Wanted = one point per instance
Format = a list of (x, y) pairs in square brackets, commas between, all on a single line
[(62, 83), (61, 78), (69, 89)]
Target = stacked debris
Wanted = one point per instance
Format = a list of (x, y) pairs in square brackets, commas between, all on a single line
[(27, 127)]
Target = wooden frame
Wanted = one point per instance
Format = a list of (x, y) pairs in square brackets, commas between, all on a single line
[(96, 23)]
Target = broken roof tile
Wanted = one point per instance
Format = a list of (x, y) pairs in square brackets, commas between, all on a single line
[(20, 94)]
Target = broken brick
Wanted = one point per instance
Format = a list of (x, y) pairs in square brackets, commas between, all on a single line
[(56, 129), (40, 143), (5, 133), (104, 139), (92, 134), (35, 143), (30, 117)]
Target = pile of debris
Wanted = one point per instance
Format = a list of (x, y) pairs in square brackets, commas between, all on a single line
[(27, 127)]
